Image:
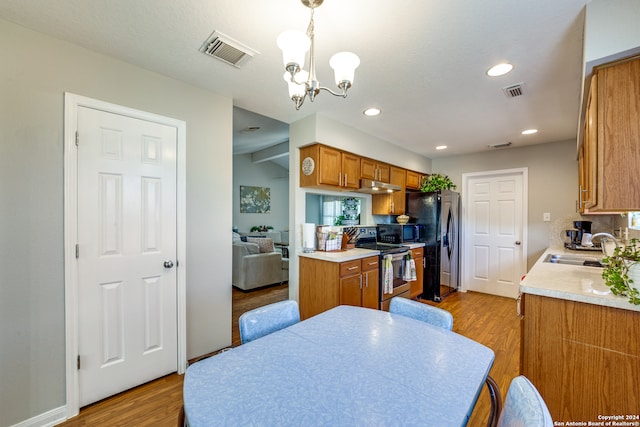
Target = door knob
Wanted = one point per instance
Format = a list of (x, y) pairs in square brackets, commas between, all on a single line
[(518, 242), (168, 264)]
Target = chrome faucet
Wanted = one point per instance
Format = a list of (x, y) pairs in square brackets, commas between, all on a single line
[(610, 236)]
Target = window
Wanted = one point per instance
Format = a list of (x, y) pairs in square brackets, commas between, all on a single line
[(634, 220), (333, 211)]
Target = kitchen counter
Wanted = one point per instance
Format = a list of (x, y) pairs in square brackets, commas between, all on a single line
[(350, 254), (340, 256), (413, 245), (572, 283)]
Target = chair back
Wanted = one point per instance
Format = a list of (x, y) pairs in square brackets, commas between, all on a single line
[(423, 312), (524, 406), (264, 320)]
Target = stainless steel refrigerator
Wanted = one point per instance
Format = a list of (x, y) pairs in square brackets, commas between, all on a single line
[(437, 217)]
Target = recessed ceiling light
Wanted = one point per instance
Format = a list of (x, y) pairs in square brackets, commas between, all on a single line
[(499, 70), (529, 131), (372, 112), (441, 147)]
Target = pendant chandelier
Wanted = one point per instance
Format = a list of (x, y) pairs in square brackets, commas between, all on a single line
[(294, 46)]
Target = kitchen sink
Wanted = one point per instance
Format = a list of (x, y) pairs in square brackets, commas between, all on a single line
[(573, 260)]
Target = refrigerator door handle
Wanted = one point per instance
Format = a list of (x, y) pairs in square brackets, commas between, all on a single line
[(449, 230)]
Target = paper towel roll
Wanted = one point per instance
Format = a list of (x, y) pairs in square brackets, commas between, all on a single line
[(308, 237)]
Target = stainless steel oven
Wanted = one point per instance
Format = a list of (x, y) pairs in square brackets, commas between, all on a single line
[(399, 287)]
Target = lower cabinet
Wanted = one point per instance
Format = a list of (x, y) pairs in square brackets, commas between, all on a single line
[(359, 283), (416, 286), (324, 284), (582, 358)]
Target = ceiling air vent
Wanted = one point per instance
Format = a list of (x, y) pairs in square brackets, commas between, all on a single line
[(226, 49), (502, 145), (514, 90)]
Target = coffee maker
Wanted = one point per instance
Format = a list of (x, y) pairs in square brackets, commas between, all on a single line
[(574, 237)]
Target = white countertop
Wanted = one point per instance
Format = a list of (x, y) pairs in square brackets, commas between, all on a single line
[(340, 256), (570, 282), (350, 254)]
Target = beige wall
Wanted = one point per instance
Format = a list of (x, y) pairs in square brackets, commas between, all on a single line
[(553, 184), (36, 71)]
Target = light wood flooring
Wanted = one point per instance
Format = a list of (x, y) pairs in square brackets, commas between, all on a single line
[(487, 319)]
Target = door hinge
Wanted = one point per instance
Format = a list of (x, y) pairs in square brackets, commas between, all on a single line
[(77, 251), (78, 362), (77, 138)]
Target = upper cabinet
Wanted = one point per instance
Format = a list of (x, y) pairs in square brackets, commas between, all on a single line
[(609, 158), (322, 166), (329, 168), (377, 171), (413, 180), (391, 203)]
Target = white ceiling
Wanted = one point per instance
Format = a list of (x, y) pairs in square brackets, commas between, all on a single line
[(423, 62)]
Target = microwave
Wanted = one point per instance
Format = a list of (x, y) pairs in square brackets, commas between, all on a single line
[(397, 233)]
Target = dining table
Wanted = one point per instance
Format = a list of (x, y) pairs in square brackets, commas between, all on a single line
[(348, 366)]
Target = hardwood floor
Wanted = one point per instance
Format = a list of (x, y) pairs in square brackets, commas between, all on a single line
[(488, 319)]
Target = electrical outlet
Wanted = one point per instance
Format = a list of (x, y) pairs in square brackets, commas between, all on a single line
[(546, 217)]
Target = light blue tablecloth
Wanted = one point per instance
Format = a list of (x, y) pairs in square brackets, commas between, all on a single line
[(348, 366)]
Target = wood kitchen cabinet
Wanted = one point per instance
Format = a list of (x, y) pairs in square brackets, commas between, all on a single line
[(416, 286), (327, 167), (609, 158), (582, 358), (324, 284), (372, 169), (413, 180), (391, 203)]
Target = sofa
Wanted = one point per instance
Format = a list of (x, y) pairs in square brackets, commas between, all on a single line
[(257, 264)]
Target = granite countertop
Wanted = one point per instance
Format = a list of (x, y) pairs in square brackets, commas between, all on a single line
[(570, 282)]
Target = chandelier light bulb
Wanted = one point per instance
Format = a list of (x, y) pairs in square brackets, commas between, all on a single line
[(294, 45), (296, 89), (344, 66)]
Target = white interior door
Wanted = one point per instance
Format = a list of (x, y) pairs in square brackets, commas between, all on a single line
[(494, 243), (127, 306)]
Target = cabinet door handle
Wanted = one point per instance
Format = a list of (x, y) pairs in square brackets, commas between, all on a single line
[(366, 278), (345, 180), (361, 281), (339, 178)]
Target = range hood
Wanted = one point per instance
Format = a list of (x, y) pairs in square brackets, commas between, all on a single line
[(377, 187)]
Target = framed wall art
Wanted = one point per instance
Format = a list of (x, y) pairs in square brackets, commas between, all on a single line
[(255, 199)]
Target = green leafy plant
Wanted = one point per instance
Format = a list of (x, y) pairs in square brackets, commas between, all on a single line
[(616, 272), (261, 228), (436, 182)]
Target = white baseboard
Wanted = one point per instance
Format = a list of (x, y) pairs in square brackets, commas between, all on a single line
[(47, 419)]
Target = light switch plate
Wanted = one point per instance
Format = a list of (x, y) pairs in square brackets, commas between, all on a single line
[(546, 216)]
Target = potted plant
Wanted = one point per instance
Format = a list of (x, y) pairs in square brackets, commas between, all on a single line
[(622, 271), (436, 182)]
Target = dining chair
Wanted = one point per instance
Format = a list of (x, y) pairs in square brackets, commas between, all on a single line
[(420, 311), (264, 320), (524, 406)]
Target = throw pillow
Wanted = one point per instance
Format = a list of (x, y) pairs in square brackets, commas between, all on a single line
[(265, 244)]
